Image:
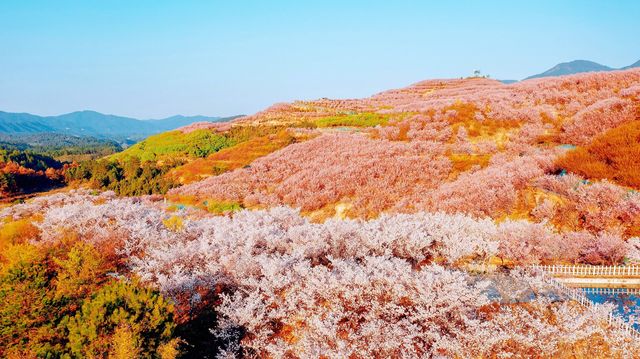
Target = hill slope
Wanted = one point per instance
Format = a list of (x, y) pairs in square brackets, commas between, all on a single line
[(465, 133)]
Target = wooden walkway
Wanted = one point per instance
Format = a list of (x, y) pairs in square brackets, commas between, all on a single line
[(576, 281), (580, 296), (581, 276), (594, 276)]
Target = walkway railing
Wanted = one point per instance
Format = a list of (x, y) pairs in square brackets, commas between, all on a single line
[(579, 296), (590, 271), (611, 290)]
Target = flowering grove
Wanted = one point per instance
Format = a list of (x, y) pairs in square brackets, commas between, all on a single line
[(352, 237)]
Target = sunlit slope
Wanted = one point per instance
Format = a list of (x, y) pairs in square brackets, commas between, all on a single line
[(472, 145), (176, 145)]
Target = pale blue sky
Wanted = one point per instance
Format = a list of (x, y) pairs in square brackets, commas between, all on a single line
[(154, 58)]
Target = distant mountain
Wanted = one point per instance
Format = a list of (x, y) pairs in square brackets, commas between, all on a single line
[(573, 67), (636, 64), (40, 142), (95, 124)]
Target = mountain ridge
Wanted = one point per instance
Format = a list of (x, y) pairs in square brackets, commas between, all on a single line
[(96, 124), (576, 67), (635, 64)]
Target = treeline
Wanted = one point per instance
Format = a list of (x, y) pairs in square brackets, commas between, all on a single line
[(28, 159), (24, 172), (61, 147), (131, 178)]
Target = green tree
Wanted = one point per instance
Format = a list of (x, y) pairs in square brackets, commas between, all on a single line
[(30, 311), (121, 317)]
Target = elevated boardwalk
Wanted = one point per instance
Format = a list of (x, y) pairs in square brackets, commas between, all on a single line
[(581, 276), (576, 281)]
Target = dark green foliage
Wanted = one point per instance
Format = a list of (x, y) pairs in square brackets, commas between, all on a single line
[(39, 288), (27, 320), (121, 305), (8, 183), (60, 146), (130, 178), (58, 301), (28, 159)]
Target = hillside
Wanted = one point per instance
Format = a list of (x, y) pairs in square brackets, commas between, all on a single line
[(94, 124), (461, 132), (344, 228)]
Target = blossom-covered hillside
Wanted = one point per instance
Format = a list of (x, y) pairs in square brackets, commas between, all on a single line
[(473, 146), (345, 229)]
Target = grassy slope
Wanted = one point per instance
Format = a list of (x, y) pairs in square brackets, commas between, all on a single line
[(207, 153), (232, 158), (176, 145)]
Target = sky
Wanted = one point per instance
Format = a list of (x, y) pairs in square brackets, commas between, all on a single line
[(157, 58)]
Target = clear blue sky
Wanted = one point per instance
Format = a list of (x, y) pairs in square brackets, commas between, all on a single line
[(154, 58)]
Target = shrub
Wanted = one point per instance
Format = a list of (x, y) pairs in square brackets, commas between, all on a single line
[(613, 155), (173, 223), (222, 207)]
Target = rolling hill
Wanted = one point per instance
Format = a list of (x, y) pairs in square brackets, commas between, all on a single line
[(469, 131)]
